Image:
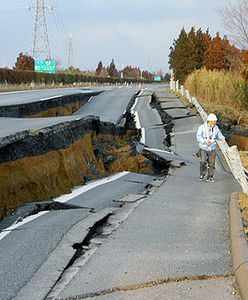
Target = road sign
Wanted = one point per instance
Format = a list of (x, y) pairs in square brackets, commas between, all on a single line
[(157, 78), (45, 66)]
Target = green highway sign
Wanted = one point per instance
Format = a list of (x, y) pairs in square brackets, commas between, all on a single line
[(157, 78), (45, 66)]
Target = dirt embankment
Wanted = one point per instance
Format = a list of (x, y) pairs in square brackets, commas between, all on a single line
[(43, 164)]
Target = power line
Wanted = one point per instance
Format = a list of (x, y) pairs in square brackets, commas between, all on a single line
[(60, 35), (40, 45)]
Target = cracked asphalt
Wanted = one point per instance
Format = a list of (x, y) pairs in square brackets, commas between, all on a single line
[(172, 244), (180, 231)]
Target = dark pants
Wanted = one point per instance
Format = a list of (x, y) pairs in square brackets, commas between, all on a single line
[(207, 160)]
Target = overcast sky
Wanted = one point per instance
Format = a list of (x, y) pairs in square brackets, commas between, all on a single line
[(133, 32)]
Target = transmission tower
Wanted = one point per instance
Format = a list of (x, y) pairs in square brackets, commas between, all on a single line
[(40, 45), (70, 52)]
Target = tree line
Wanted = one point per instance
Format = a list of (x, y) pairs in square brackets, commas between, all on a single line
[(196, 49), (24, 62), (126, 72)]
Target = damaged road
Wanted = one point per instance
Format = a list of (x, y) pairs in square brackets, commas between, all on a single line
[(26, 246), (40, 242)]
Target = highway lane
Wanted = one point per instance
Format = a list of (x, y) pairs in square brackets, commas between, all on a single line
[(109, 106), (117, 99), (149, 121), (29, 96), (23, 250)]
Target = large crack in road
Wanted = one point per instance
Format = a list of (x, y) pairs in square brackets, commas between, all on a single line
[(45, 163), (83, 149)]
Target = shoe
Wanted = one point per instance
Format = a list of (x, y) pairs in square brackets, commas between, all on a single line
[(210, 179), (201, 177)]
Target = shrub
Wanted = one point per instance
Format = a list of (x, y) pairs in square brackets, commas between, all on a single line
[(19, 77)]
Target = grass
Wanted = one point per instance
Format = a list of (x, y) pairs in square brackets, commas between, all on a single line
[(227, 113), (221, 92)]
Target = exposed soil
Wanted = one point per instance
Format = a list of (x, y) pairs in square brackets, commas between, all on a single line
[(65, 110), (39, 165), (47, 175)]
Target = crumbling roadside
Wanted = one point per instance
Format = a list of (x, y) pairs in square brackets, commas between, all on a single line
[(166, 119), (49, 162), (39, 165)]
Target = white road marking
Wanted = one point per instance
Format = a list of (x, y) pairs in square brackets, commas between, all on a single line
[(143, 136), (135, 103), (90, 99), (64, 198), (26, 220), (137, 125), (85, 188), (137, 120), (58, 96)]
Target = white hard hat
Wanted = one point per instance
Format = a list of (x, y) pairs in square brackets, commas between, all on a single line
[(211, 117)]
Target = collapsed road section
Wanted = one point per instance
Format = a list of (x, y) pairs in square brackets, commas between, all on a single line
[(43, 164), (35, 251), (45, 157)]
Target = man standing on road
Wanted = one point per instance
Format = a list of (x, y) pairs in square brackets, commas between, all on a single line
[(207, 135)]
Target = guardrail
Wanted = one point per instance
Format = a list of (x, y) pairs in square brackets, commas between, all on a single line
[(231, 154)]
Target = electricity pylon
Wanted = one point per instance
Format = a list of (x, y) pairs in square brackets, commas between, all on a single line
[(40, 44), (70, 52)]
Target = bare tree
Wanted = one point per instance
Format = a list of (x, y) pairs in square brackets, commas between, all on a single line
[(235, 19)]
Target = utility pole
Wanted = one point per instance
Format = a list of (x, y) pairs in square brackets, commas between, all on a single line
[(70, 52), (40, 44)]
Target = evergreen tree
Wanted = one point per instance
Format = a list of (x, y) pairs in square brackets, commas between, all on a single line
[(197, 49), (179, 54), (202, 40), (112, 71), (187, 52), (99, 68)]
